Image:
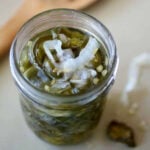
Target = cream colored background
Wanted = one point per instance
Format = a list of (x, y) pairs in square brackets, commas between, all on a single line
[(129, 22)]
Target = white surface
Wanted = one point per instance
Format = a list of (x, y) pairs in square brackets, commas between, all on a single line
[(129, 23)]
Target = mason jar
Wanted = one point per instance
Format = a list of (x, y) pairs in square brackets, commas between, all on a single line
[(63, 119)]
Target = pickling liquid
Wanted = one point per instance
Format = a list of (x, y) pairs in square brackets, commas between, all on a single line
[(64, 61)]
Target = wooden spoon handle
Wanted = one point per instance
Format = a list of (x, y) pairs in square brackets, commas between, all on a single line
[(9, 30)]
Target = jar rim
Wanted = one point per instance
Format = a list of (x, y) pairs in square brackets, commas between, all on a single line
[(46, 99)]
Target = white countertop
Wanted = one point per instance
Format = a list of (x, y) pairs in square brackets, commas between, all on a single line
[(129, 23)]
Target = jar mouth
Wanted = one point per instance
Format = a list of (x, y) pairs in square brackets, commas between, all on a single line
[(44, 98)]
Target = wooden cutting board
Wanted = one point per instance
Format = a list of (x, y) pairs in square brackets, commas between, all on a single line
[(28, 9)]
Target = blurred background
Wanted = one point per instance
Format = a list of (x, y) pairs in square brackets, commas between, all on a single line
[(129, 23)]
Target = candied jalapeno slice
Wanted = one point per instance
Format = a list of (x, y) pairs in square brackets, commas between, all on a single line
[(120, 132)]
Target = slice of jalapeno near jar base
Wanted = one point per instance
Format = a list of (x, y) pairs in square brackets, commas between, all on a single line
[(63, 61)]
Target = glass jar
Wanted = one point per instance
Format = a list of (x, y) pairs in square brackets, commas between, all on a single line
[(63, 119)]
